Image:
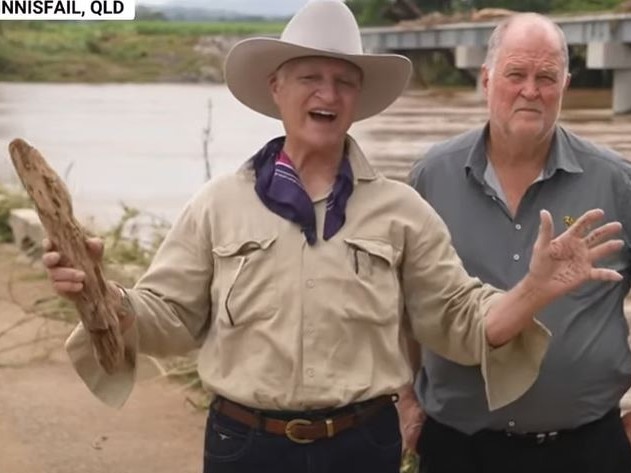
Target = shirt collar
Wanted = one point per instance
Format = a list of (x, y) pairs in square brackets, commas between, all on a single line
[(560, 158), (278, 186), (362, 169)]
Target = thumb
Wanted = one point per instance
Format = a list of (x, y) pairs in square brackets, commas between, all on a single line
[(546, 229)]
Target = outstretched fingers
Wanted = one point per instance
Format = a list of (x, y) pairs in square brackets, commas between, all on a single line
[(585, 222), (600, 246), (602, 233), (603, 274), (605, 249)]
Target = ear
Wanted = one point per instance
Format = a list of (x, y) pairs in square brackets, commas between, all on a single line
[(568, 78), (273, 83), (485, 75)]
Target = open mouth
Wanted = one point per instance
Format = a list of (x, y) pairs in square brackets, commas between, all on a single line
[(323, 116)]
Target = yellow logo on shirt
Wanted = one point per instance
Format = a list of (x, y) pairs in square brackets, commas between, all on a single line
[(568, 221)]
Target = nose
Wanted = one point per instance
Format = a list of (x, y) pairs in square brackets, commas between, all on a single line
[(530, 90), (327, 90)]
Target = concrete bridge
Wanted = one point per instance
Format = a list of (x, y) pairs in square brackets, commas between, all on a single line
[(607, 37)]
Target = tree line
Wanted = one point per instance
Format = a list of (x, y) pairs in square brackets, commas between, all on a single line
[(374, 12)]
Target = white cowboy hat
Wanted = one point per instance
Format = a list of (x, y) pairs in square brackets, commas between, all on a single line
[(321, 28)]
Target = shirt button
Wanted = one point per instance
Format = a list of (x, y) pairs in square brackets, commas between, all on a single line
[(516, 257), (310, 372), (511, 423), (518, 227), (310, 283)]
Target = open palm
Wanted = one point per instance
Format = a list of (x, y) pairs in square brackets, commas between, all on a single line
[(562, 264)]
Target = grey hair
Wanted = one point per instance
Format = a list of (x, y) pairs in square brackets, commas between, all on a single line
[(500, 30)]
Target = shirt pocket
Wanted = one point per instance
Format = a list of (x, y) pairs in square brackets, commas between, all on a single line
[(245, 281), (372, 287)]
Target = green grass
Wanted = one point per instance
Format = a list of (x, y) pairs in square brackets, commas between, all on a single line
[(135, 51), (207, 29), (9, 200)]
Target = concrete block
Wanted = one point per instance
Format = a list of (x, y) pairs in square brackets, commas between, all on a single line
[(27, 230), (608, 56), (621, 96)]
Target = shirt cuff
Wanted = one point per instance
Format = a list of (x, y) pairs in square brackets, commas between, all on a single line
[(113, 389), (510, 370)]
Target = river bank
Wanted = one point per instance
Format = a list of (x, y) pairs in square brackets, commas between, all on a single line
[(106, 52)]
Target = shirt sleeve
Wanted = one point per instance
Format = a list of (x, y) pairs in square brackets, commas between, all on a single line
[(447, 308), (171, 303)]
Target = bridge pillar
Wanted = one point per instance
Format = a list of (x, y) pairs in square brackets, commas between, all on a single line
[(616, 56), (472, 58)]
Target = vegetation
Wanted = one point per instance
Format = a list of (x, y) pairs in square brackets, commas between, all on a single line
[(125, 244), (138, 51), (156, 50), (132, 241), (371, 12), (9, 200)]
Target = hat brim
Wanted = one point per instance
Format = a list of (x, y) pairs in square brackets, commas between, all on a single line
[(250, 63)]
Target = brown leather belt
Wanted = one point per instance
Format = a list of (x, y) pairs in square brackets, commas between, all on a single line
[(301, 430)]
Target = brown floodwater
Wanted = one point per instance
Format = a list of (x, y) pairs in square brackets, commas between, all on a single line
[(142, 144)]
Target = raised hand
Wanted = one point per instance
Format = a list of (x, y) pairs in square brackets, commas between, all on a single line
[(562, 264)]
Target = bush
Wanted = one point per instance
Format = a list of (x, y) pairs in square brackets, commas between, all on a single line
[(10, 200)]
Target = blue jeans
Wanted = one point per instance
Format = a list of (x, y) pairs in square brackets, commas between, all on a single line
[(374, 446)]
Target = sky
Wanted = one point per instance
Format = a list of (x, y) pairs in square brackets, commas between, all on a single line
[(253, 7)]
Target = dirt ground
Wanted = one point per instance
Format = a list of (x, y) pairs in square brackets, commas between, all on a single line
[(49, 421)]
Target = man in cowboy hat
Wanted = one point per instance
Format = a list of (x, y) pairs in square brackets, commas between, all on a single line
[(293, 276)]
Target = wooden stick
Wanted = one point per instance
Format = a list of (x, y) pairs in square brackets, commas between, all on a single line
[(95, 303)]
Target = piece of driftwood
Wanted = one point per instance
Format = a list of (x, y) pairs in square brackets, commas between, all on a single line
[(95, 303)]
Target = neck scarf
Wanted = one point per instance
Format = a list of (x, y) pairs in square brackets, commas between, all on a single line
[(279, 187)]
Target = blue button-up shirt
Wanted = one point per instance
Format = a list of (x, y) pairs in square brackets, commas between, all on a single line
[(588, 365)]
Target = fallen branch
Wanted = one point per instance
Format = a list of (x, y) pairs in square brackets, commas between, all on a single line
[(95, 303)]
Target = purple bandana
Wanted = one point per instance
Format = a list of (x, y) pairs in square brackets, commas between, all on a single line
[(280, 189)]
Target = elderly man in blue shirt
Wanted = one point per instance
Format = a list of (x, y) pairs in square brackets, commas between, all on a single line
[(489, 186)]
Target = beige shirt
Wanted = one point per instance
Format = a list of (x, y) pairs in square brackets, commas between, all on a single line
[(283, 325)]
